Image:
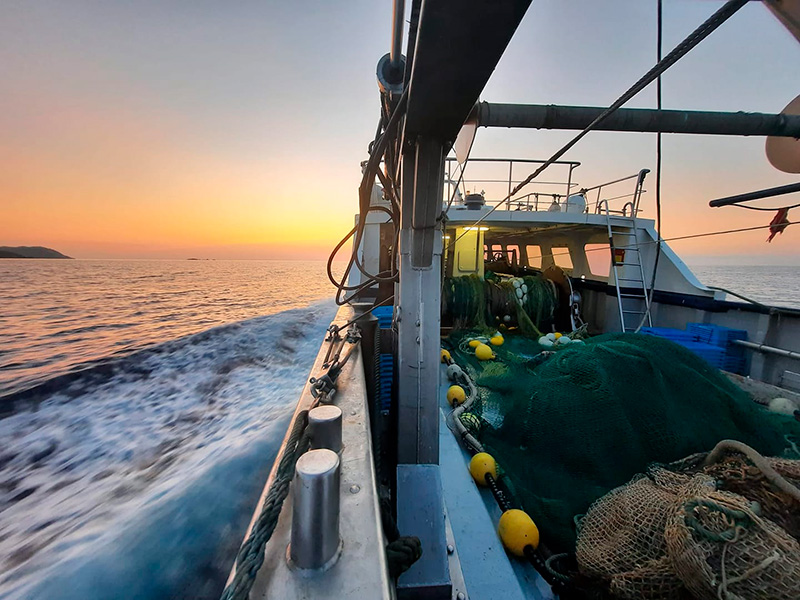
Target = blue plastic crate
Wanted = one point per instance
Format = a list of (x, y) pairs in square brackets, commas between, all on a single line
[(386, 361), (713, 355), (384, 316), (722, 337), (670, 333), (716, 334)]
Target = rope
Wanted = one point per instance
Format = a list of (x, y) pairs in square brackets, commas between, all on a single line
[(723, 593), (766, 208), (792, 445), (759, 461), (737, 520), (251, 554), (548, 564), (402, 553)]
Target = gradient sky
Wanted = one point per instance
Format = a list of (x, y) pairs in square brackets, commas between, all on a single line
[(176, 128)]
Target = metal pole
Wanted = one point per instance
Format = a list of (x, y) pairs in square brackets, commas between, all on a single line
[(551, 116), (768, 349), (768, 193), (397, 34), (569, 180)]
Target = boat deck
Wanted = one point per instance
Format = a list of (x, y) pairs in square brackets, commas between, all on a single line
[(473, 515)]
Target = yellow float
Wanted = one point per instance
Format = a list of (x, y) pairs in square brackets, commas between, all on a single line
[(484, 352), (517, 530), (456, 395), (481, 465)]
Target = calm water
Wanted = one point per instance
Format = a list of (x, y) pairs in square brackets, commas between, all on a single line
[(162, 389), (59, 314), (779, 286)]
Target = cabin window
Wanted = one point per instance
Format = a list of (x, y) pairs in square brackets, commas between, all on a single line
[(496, 252), (561, 257), (599, 258), (512, 253), (534, 256)]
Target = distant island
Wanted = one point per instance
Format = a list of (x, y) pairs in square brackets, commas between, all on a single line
[(30, 252)]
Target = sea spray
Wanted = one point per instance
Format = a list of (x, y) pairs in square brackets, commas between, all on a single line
[(140, 482)]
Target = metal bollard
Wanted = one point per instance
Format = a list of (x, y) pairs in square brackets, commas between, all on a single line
[(325, 426), (315, 538)]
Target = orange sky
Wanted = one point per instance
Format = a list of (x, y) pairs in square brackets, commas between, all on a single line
[(107, 182), (174, 132)]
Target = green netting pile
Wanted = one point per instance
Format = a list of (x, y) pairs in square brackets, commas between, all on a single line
[(567, 429), (479, 303)]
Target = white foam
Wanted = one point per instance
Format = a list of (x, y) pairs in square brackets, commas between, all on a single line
[(148, 477)]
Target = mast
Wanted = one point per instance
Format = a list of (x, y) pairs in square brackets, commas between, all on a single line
[(445, 75)]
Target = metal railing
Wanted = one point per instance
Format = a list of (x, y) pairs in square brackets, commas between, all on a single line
[(541, 200), (630, 208), (529, 201)]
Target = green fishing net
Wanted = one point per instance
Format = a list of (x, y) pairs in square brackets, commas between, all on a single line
[(480, 303), (567, 428)]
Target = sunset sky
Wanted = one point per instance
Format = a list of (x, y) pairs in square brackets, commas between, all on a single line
[(158, 129)]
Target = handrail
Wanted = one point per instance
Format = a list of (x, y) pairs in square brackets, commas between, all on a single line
[(510, 182), (637, 193), (535, 161)]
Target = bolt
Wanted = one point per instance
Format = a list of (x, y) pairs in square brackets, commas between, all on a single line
[(450, 548), (355, 488), (418, 340), (461, 596)]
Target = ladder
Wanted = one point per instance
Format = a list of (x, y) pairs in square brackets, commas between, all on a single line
[(629, 278)]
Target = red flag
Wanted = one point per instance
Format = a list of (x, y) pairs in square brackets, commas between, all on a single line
[(778, 223)]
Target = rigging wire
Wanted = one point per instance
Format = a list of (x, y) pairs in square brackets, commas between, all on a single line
[(767, 209), (651, 292), (691, 236), (692, 40)]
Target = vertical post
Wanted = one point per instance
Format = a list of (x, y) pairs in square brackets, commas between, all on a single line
[(420, 505), (510, 171), (419, 304), (397, 34), (449, 181), (569, 180), (315, 510)]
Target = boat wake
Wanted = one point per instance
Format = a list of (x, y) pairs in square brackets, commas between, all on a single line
[(138, 480)]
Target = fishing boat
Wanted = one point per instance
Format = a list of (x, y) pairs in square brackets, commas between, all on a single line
[(526, 393)]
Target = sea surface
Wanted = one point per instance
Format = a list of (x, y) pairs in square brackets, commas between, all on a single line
[(772, 285), (155, 396)]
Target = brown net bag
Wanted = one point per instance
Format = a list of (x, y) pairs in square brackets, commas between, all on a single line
[(721, 549), (672, 535), (621, 539), (738, 475)]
